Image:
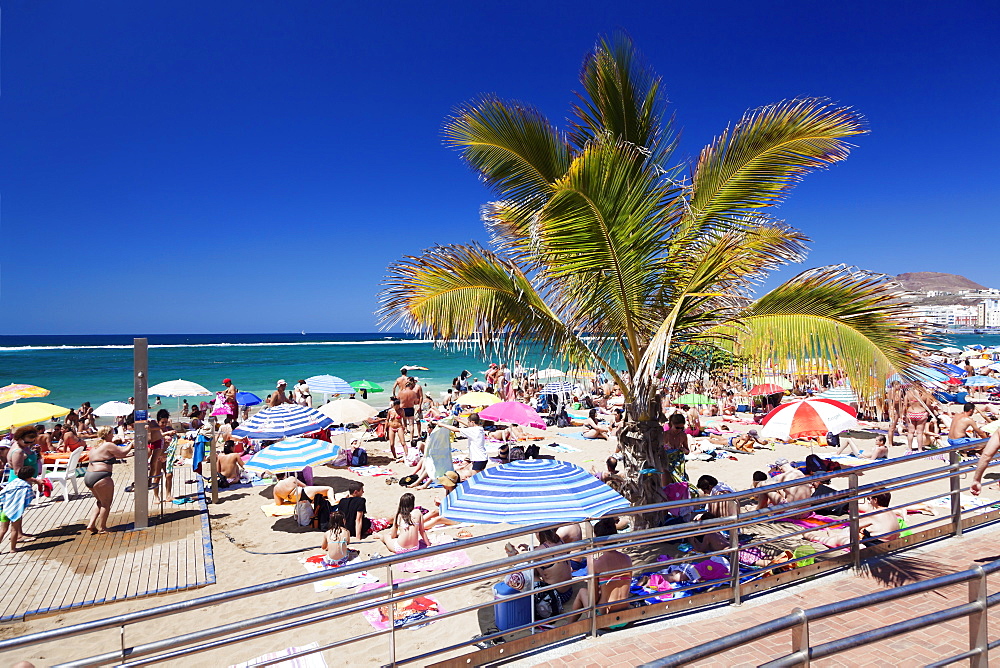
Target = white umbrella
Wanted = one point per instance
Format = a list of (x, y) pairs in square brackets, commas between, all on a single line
[(550, 373), (179, 388), (978, 362), (348, 411), (114, 409), (951, 350)]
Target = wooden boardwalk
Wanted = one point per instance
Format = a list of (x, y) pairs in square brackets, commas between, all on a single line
[(66, 567)]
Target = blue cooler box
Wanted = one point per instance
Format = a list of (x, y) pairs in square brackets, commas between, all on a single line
[(510, 612)]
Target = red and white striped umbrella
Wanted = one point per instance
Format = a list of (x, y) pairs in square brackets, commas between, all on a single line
[(809, 417)]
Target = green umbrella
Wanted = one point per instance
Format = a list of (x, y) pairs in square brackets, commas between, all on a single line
[(694, 400), (367, 385)]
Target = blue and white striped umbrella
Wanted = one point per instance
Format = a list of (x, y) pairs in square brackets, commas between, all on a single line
[(981, 381), (329, 385), (292, 454), (557, 387), (842, 394), (531, 491), (283, 420)]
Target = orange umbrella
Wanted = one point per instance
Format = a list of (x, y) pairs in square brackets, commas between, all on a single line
[(17, 391)]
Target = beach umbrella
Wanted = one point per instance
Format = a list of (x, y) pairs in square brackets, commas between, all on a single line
[(995, 366), (247, 399), (478, 399), (32, 412), (179, 388), (114, 409), (842, 394), (780, 381), (952, 370), (550, 373), (348, 411), (531, 491), (765, 389), (414, 367), (328, 384), (951, 350), (809, 417), (979, 362), (368, 386), (292, 454), (559, 387), (17, 391), (974, 381), (697, 399), (955, 382), (281, 421), (924, 373), (513, 412)]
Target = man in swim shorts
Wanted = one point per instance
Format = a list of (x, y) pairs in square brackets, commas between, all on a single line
[(408, 398), (960, 426)]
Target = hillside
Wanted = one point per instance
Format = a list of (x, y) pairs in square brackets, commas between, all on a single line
[(923, 281)]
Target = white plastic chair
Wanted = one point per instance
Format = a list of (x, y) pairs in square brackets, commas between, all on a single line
[(65, 474)]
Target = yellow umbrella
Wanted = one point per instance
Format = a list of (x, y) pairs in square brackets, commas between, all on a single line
[(17, 391), (33, 412), (478, 399)]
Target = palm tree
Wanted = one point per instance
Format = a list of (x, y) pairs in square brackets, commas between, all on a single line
[(604, 250)]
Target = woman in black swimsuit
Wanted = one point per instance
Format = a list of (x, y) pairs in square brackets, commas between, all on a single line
[(98, 477)]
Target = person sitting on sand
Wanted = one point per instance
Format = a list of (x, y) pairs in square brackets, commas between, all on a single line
[(786, 473), (613, 588), (879, 451), (71, 441), (710, 486), (449, 481), (610, 477), (408, 533), (230, 464), (592, 428), (291, 490), (15, 498), (550, 574), (335, 541), (962, 424)]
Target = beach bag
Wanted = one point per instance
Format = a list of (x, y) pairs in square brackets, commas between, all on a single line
[(516, 453), (223, 481), (531, 452), (678, 491), (360, 457), (563, 419), (321, 510), (547, 604), (303, 512), (343, 457)]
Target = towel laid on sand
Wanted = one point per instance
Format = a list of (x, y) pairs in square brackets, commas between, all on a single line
[(313, 564), (410, 613), (272, 510), (310, 661), (371, 471), (438, 562)]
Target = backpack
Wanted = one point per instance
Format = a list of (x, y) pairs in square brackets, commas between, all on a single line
[(223, 481), (532, 452), (563, 419), (359, 457), (321, 510), (303, 512), (516, 453)]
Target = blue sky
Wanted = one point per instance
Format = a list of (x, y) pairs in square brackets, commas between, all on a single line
[(255, 166)]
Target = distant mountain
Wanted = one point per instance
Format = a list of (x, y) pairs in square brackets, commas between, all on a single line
[(924, 281)]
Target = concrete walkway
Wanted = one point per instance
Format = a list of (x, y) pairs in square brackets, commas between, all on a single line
[(635, 646)]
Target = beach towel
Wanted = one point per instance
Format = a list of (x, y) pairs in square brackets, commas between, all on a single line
[(15, 498), (559, 447), (371, 471), (410, 613), (438, 562), (580, 437), (313, 564), (272, 510), (310, 661)]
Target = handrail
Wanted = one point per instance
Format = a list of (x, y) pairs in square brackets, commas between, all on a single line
[(489, 571), (800, 617)]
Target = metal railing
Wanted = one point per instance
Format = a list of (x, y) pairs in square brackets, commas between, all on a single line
[(975, 610), (229, 627)]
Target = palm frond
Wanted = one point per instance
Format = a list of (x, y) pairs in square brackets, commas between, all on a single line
[(465, 294), (512, 146), (838, 317), (755, 164), (623, 101)]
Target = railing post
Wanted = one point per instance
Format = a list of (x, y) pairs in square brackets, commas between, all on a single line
[(734, 557), (978, 631), (392, 618), (956, 495), (800, 638), (855, 522), (588, 530)]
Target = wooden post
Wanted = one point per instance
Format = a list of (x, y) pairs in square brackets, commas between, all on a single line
[(140, 488), (213, 466)]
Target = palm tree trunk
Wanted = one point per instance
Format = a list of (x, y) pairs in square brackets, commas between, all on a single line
[(642, 450)]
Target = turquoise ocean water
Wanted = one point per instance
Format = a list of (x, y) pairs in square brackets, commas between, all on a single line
[(98, 368)]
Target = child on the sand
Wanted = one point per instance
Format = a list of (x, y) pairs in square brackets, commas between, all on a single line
[(336, 540), (15, 498)]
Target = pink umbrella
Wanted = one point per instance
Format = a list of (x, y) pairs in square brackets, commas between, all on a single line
[(513, 412)]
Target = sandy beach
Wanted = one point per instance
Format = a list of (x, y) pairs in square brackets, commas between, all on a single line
[(241, 532)]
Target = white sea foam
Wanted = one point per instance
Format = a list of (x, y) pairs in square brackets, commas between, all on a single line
[(218, 345)]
